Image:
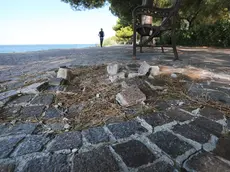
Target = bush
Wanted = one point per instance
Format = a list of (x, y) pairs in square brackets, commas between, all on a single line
[(216, 34)]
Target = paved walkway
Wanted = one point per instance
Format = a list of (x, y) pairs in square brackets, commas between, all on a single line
[(175, 138)]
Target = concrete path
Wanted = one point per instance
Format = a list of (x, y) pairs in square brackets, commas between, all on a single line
[(175, 138)]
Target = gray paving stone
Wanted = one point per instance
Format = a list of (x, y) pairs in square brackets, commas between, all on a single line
[(158, 167), (7, 166), (31, 144), (126, 129), (212, 113), (7, 145), (192, 132), (32, 111), (219, 96), (55, 163), (156, 119), (223, 148), (178, 115), (169, 143), (208, 125), (52, 113), (22, 99), (98, 160), (17, 129), (134, 153), (12, 112), (95, 135), (46, 99), (8, 94), (162, 105), (228, 123), (206, 162), (68, 140)]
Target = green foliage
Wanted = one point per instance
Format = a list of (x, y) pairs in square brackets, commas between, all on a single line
[(85, 4), (216, 34), (110, 41)]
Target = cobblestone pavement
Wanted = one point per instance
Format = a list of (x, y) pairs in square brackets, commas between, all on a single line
[(174, 139)]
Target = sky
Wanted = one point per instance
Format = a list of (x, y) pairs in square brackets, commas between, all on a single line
[(51, 22)]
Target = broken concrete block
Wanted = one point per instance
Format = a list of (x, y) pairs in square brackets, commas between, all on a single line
[(112, 69), (8, 94), (144, 68), (124, 84), (57, 81), (133, 75), (34, 88), (130, 97), (64, 73), (114, 78), (154, 70)]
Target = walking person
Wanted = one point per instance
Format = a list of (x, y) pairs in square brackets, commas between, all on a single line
[(101, 35)]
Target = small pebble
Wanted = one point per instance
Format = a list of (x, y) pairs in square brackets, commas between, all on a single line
[(65, 119), (66, 126), (15, 111), (74, 150), (59, 104), (98, 95), (173, 75), (13, 122)]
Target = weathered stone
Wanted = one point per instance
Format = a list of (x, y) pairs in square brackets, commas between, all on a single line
[(10, 112), (133, 67), (57, 81), (43, 99), (192, 132), (34, 143), (114, 78), (124, 85), (228, 123), (208, 125), (32, 111), (45, 163), (74, 110), (162, 105), (34, 88), (64, 73), (130, 96), (69, 140), (154, 70), (112, 69), (212, 113), (219, 96), (17, 129), (156, 119), (97, 160), (7, 166), (169, 143), (57, 127), (95, 135), (7, 145), (158, 167), (223, 148), (126, 129), (204, 162), (21, 100), (144, 68), (52, 113), (8, 94), (178, 115), (134, 153), (53, 88), (133, 75)]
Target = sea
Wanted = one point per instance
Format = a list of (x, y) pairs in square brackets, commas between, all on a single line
[(30, 48)]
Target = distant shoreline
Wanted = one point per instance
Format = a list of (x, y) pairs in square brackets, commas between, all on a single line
[(13, 49)]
